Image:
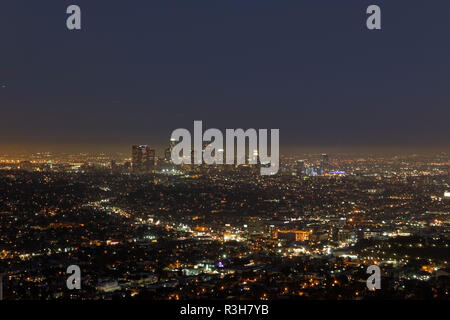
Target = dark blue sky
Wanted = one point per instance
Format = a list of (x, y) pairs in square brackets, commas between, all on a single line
[(140, 69)]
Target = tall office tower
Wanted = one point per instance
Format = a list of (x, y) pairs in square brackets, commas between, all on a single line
[(324, 162), (173, 143), (136, 158), (142, 159), (168, 155), (300, 167), (255, 156), (150, 161), (168, 151)]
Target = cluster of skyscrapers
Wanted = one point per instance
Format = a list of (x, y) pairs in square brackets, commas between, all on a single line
[(143, 159), (316, 170)]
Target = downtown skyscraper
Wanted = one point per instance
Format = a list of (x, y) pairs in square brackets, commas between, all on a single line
[(143, 159)]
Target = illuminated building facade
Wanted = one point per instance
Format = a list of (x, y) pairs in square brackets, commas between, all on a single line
[(292, 235), (324, 162)]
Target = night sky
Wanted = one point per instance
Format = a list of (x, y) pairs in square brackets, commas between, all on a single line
[(140, 69)]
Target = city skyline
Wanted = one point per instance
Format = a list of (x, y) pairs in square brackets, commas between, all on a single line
[(22, 150), (231, 157)]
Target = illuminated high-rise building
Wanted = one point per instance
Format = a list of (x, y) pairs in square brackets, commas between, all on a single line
[(168, 151), (143, 159), (173, 143), (324, 162), (168, 155)]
